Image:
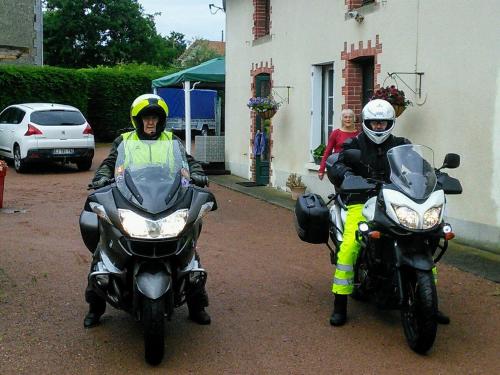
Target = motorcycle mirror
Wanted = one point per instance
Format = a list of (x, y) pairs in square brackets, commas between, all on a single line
[(352, 157), (451, 161)]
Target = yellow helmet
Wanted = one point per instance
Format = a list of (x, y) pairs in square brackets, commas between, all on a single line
[(149, 104)]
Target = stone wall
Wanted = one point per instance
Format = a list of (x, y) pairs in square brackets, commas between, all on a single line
[(21, 26)]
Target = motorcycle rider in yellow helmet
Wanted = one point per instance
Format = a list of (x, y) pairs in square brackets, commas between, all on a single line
[(148, 115)]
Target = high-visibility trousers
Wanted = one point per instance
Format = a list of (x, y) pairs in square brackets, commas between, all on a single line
[(343, 278)]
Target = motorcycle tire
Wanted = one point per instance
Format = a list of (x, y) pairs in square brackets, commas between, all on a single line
[(153, 321), (419, 310)]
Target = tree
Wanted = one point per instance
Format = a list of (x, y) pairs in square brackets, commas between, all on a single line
[(88, 33), (199, 51)]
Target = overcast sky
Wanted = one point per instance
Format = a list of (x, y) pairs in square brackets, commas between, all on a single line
[(189, 17)]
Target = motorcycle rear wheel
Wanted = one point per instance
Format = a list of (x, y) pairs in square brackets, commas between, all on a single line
[(419, 310), (153, 321)]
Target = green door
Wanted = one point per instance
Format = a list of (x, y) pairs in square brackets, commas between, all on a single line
[(262, 89)]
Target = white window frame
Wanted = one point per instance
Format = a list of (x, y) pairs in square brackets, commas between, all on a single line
[(319, 100)]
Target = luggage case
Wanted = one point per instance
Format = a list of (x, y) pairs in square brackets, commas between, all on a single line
[(312, 219)]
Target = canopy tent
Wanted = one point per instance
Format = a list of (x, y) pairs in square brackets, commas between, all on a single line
[(210, 74)]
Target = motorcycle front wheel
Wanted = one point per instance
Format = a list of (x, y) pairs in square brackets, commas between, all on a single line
[(419, 310), (153, 321)]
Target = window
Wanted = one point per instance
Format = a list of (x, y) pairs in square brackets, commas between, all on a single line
[(57, 117), (327, 103), (367, 68), (4, 117), (18, 116), (262, 18), (322, 115)]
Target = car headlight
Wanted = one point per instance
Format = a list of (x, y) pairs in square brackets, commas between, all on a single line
[(139, 227), (406, 216), (431, 217)]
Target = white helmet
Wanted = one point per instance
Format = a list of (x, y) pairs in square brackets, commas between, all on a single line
[(379, 110)]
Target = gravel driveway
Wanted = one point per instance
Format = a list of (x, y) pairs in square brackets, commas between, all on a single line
[(269, 294)]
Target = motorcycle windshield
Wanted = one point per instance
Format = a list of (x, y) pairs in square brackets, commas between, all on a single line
[(412, 170), (149, 173)]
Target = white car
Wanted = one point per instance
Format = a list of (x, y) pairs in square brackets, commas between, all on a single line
[(43, 131)]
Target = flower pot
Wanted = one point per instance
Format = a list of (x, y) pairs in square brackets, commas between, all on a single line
[(267, 114), (317, 159), (297, 192), (399, 109)]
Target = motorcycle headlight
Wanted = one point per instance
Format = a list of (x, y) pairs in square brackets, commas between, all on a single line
[(431, 217), (140, 227), (406, 216)]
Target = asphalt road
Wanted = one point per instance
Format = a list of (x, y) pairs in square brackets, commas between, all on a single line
[(269, 292)]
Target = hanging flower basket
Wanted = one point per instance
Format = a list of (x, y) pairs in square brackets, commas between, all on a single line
[(398, 109), (394, 96), (266, 115), (265, 107)]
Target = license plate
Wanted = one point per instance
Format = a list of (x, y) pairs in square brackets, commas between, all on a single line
[(63, 151)]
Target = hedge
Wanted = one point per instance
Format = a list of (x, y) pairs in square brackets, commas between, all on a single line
[(103, 95)]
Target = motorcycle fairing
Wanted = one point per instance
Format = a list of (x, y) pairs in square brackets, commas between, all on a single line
[(420, 259), (153, 279)]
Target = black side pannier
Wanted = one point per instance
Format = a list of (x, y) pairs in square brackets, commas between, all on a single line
[(312, 219)]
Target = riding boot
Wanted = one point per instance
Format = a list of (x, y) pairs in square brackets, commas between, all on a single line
[(442, 318), (339, 314), (97, 307), (197, 302)]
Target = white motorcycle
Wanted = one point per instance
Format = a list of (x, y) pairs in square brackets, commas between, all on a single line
[(404, 229)]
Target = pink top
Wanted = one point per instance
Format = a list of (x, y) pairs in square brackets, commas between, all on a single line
[(335, 142)]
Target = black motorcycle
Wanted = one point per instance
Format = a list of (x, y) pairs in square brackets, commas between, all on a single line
[(403, 237), (143, 229)]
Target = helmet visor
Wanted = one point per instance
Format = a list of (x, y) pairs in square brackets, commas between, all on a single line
[(379, 126)]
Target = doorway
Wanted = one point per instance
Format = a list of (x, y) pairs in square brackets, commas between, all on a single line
[(262, 132)]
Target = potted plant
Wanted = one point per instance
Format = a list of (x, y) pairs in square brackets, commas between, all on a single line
[(265, 107), (296, 186), (394, 96), (318, 152)]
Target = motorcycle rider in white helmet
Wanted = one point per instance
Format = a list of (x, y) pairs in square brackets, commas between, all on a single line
[(376, 139)]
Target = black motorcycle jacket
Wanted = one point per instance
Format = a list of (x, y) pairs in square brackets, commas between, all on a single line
[(107, 167), (373, 164)]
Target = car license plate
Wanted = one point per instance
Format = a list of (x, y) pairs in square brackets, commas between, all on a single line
[(63, 151)]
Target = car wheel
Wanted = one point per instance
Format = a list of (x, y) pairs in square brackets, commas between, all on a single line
[(84, 165), (204, 131), (19, 164)]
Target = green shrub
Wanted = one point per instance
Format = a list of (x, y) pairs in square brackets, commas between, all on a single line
[(104, 95), (27, 84)]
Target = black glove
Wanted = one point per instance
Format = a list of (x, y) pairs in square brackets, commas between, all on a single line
[(199, 180), (355, 184), (99, 183)]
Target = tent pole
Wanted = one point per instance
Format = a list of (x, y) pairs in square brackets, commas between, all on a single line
[(187, 103)]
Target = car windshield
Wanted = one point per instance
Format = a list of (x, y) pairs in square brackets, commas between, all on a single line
[(412, 170), (150, 173), (57, 117)]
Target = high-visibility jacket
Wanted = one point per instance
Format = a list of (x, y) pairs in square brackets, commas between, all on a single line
[(138, 152)]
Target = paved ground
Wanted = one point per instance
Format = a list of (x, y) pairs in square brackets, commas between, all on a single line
[(270, 300)]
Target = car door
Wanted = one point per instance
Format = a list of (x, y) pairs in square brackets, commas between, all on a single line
[(16, 128), (5, 127)]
